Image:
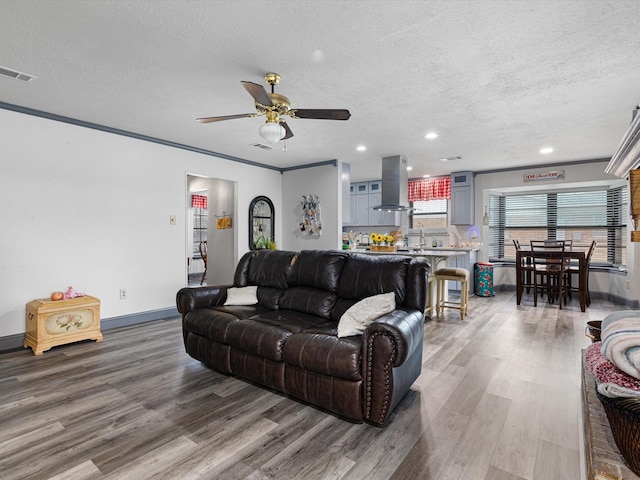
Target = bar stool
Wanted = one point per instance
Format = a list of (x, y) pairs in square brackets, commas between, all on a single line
[(457, 275), (430, 286)]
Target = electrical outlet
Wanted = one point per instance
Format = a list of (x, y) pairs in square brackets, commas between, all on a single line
[(172, 219), (123, 294)]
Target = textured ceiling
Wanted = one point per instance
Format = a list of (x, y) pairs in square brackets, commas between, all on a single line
[(497, 80)]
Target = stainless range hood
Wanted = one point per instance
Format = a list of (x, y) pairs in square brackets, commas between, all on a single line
[(394, 184)]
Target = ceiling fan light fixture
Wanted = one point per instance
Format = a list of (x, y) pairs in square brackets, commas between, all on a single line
[(272, 132)]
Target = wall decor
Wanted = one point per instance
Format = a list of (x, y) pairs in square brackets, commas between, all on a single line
[(261, 223), (553, 175), (310, 223), (223, 221)]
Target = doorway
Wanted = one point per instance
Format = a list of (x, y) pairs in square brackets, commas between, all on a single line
[(211, 223)]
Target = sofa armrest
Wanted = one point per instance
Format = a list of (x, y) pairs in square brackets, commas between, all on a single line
[(404, 329), (192, 298), (391, 362)]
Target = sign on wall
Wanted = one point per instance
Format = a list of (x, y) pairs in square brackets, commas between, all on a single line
[(552, 175)]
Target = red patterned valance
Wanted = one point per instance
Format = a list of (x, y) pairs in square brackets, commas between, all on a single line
[(199, 201), (437, 188)]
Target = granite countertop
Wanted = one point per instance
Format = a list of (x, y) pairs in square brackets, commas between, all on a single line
[(428, 249), (420, 253)]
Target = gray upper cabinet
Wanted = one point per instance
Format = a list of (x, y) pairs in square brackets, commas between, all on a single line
[(359, 209), (365, 196), (360, 188), (462, 198)]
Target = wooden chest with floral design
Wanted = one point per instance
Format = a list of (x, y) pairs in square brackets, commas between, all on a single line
[(51, 323)]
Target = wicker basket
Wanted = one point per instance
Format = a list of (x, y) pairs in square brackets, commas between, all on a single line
[(382, 248), (593, 330), (624, 419)]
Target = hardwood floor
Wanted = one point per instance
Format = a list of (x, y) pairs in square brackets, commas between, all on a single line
[(498, 399)]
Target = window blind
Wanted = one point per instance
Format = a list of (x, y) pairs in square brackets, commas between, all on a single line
[(431, 214), (579, 215)]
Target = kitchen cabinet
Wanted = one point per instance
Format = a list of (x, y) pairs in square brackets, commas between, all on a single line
[(381, 217), (359, 209), (462, 198), (360, 188), (375, 187), (364, 196)]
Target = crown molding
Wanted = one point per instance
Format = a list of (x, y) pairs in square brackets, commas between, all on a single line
[(627, 157)]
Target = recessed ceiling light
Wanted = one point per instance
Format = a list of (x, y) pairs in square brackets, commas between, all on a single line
[(431, 135), (409, 168), (546, 150), (426, 176), (361, 148)]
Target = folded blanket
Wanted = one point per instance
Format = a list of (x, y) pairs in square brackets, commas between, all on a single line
[(621, 341), (621, 315), (610, 380)]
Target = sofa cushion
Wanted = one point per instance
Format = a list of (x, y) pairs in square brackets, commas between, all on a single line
[(270, 268), (317, 268), (265, 335), (326, 354), (242, 295), (269, 297), (241, 275), (291, 320), (359, 316), (309, 300), (242, 311), (367, 275), (210, 323), (258, 338)]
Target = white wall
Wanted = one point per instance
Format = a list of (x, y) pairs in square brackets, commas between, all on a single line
[(324, 181), (575, 175), (91, 209)]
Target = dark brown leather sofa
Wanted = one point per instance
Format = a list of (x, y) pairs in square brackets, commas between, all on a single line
[(288, 341)]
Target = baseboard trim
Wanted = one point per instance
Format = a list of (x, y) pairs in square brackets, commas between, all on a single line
[(13, 342)]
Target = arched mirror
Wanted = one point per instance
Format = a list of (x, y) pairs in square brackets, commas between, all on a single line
[(261, 223)]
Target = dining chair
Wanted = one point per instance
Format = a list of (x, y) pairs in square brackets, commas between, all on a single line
[(550, 270), (203, 253), (574, 269), (526, 269)]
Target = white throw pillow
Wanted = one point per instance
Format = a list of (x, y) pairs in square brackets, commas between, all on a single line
[(355, 320), (242, 295)]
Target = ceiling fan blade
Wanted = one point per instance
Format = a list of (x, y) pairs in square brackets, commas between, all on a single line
[(258, 93), (320, 114), (226, 117), (289, 133)]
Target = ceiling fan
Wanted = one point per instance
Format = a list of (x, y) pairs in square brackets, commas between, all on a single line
[(275, 106)]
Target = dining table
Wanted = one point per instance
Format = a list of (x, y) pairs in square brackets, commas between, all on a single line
[(576, 252)]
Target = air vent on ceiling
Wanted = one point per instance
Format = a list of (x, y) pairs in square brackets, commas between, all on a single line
[(25, 77), (262, 146)]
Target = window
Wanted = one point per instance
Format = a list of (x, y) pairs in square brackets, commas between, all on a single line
[(581, 216), (200, 205), (199, 229), (430, 215)]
